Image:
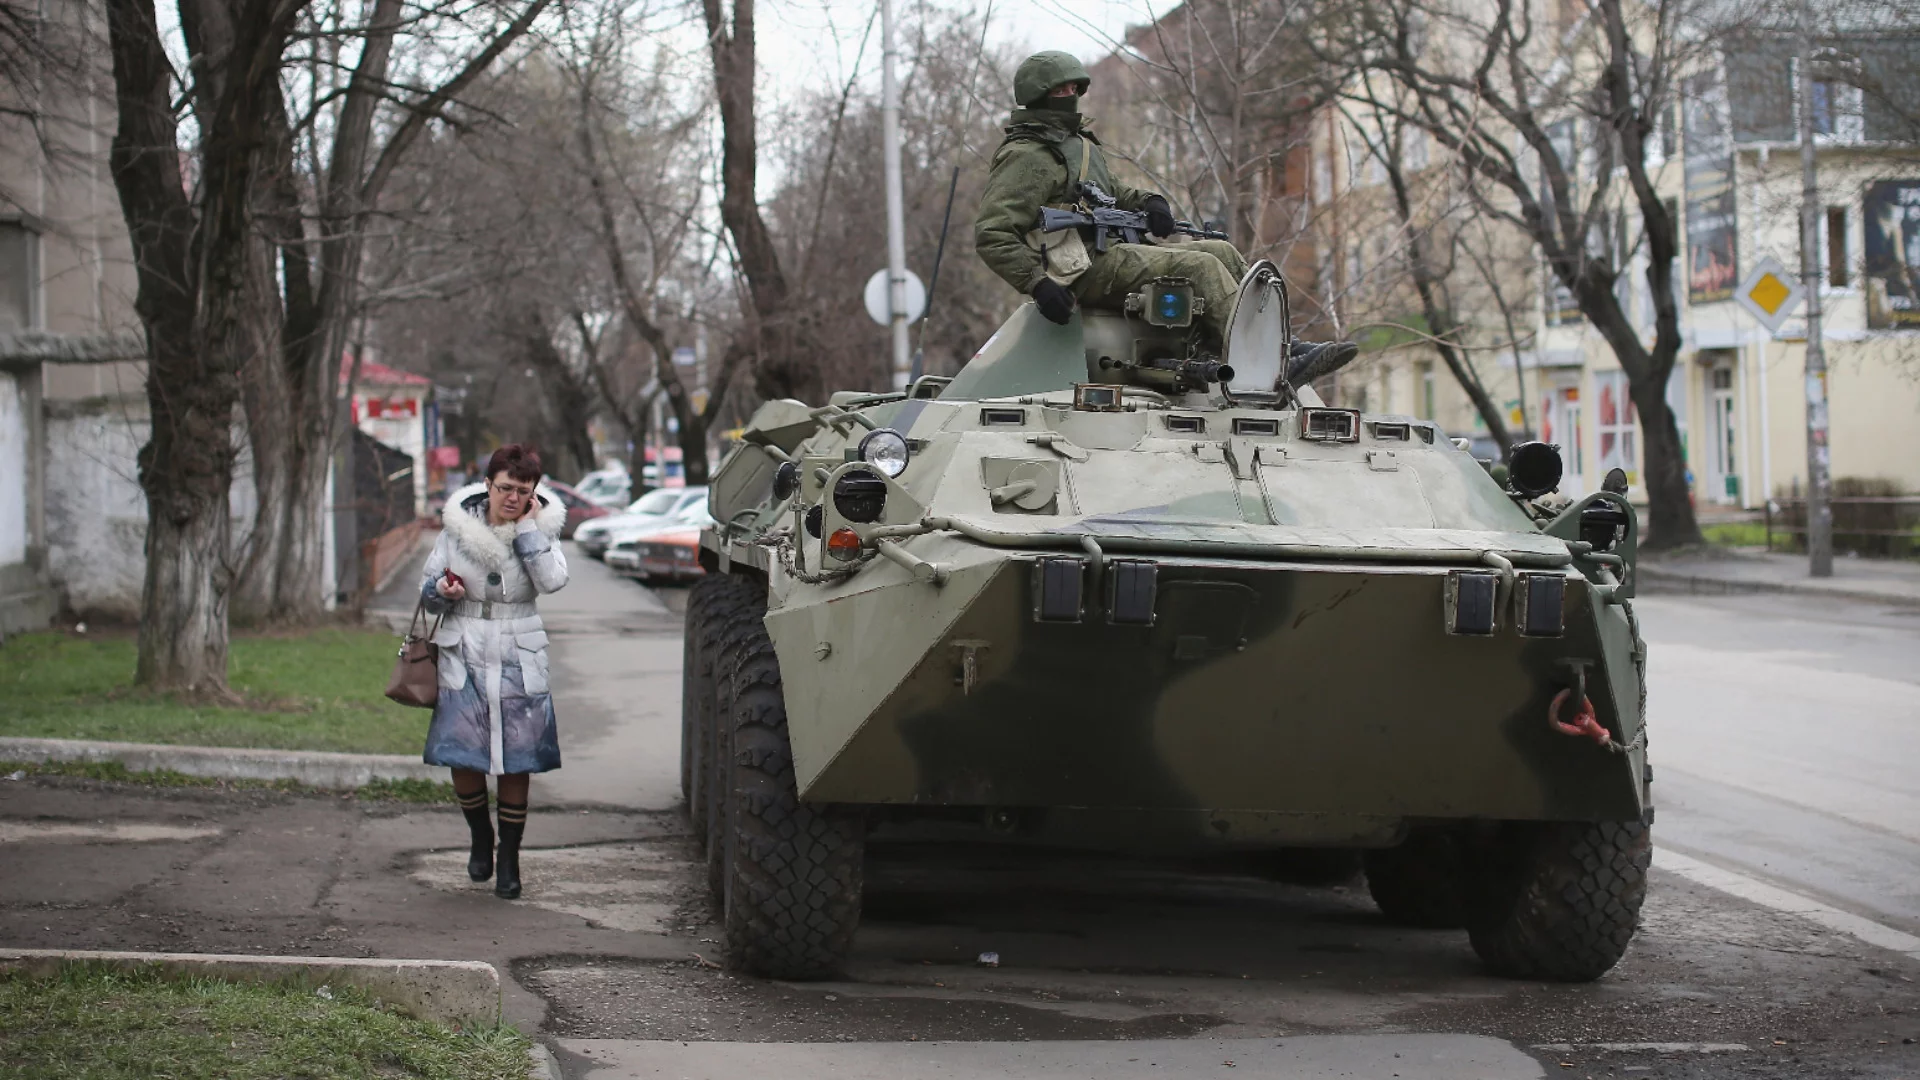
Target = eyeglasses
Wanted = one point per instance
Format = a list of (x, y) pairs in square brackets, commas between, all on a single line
[(510, 491)]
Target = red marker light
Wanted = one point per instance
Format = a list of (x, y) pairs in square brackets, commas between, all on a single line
[(844, 545)]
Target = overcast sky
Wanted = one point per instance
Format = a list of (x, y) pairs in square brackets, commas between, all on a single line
[(810, 44)]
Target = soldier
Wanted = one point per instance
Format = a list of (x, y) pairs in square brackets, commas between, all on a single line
[(1048, 151)]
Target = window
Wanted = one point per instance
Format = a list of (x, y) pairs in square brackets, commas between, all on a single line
[(1615, 415), (1836, 240), (1423, 376), (19, 276), (1836, 104), (1414, 141)]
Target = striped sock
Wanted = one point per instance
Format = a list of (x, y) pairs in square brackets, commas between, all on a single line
[(475, 801), (512, 813)]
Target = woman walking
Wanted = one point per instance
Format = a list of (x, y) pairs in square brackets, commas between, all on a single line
[(499, 548)]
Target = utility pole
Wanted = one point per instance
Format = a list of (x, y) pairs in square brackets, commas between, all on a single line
[(1819, 456), (896, 211)]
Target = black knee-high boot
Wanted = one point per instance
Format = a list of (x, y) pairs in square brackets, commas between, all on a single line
[(480, 824), (513, 825)]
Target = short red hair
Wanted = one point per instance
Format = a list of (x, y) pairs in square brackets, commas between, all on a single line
[(520, 461)]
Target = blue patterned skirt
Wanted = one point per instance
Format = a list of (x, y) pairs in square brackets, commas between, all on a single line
[(461, 735)]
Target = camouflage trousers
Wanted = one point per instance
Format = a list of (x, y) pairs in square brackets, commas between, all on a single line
[(1214, 266)]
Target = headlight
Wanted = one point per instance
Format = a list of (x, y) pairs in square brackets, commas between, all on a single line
[(860, 496), (886, 450)]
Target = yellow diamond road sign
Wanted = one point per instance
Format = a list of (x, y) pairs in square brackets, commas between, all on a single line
[(1769, 293)]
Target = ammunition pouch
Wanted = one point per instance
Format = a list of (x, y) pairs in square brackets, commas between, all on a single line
[(1063, 253)]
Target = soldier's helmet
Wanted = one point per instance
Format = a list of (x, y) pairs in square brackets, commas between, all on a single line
[(1041, 72)]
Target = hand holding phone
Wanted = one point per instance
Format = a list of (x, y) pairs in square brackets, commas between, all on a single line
[(451, 585)]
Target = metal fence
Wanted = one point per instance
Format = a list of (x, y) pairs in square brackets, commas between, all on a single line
[(1882, 521)]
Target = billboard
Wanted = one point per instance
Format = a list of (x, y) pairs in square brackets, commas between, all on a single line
[(1712, 219), (1892, 218)]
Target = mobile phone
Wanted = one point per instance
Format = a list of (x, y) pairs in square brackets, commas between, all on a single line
[(454, 579)]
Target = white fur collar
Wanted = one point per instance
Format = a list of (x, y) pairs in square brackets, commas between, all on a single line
[(492, 545)]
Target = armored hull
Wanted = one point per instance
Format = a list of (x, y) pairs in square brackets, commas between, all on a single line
[(1161, 620)]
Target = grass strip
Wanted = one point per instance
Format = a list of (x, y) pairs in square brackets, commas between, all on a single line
[(321, 688), (412, 791), (106, 1023)]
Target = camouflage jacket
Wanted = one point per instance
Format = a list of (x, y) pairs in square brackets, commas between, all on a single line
[(1037, 165)]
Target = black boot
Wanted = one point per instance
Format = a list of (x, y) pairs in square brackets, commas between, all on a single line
[(513, 825), (480, 824)]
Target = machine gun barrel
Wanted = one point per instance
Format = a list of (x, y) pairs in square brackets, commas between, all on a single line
[(1130, 226)]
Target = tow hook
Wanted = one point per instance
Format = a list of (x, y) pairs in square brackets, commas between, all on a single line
[(1584, 721)]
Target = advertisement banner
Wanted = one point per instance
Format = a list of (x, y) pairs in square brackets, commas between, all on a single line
[(1893, 254), (1712, 258)]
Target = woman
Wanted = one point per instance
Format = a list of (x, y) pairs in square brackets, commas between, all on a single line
[(497, 551)]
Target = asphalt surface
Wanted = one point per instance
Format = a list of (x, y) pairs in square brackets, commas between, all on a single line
[(1783, 733)]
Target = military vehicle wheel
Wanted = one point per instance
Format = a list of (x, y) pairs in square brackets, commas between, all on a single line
[(1420, 883), (707, 603), (1559, 900), (793, 870), (733, 622)]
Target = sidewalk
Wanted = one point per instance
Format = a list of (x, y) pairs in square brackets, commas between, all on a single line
[(609, 870), (1742, 570), (616, 686)]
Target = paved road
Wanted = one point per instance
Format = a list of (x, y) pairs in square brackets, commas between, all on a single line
[(1784, 730), (1787, 744), (1782, 734)]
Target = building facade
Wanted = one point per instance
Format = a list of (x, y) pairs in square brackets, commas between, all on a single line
[(1729, 167)]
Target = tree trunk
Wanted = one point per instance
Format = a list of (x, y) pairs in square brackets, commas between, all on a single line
[(783, 367), (192, 273)]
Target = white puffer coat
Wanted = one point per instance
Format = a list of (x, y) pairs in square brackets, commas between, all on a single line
[(495, 712)]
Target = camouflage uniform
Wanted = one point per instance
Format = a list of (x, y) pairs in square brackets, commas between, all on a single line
[(1039, 164)]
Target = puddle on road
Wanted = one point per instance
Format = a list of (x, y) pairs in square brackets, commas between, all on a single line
[(28, 832), (614, 886)]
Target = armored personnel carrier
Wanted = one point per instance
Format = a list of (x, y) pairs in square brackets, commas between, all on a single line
[(1096, 591)]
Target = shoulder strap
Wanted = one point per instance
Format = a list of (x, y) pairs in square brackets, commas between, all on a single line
[(1086, 156)]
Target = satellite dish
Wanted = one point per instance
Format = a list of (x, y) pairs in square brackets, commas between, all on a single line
[(876, 297)]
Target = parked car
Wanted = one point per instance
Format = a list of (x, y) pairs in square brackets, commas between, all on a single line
[(670, 556), (653, 508), (623, 555), (611, 488), (580, 509)]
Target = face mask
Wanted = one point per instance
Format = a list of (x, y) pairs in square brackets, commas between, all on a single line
[(1059, 104)]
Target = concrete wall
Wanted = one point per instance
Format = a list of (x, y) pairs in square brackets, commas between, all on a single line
[(13, 470), (96, 512)]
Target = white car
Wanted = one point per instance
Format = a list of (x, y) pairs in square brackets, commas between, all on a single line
[(610, 488), (653, 508)]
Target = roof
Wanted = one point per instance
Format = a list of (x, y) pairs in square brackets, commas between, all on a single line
[(372, 374)]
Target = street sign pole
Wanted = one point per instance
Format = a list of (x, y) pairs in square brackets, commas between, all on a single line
[(1819, 454), (896, 212)]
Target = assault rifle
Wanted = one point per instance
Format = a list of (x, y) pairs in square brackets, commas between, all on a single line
[(1109, 221)]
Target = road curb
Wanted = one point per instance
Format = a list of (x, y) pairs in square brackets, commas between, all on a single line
[(313, 768), (451, 992), (1658, 580)]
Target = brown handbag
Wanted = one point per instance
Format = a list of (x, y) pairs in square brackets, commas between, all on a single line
[(416, 672)]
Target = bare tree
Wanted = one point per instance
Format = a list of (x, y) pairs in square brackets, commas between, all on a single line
[(357, 125), (1488, 85), (192, 255)]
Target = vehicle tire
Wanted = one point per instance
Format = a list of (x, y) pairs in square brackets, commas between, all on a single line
[(733, 625), (696, 689), (793, 870), (1422, 882), (1558, 900)]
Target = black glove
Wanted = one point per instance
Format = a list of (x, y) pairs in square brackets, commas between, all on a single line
[(1054, 301), (1159, 216)]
